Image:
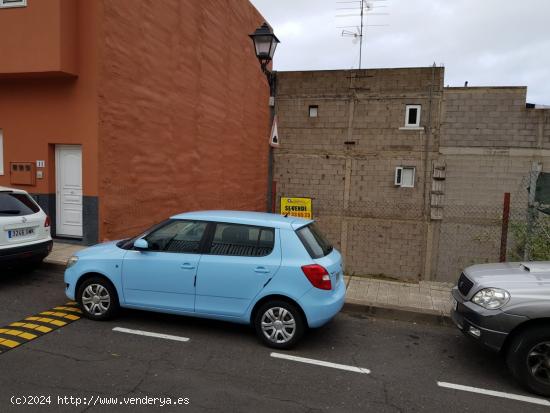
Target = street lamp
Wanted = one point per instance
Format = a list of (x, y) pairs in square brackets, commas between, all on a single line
[(265, 43)]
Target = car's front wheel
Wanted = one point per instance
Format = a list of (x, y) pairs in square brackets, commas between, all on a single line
[(528, 359), (98, 299), (279, 324)]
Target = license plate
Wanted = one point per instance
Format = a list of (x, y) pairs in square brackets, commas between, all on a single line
[(455, 304), (18, 233)]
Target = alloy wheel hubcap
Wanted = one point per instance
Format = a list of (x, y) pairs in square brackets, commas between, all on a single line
[(96, 299), (278, 325), (538, 362)]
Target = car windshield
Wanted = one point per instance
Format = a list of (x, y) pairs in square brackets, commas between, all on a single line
[(315, 242), (17, 204)]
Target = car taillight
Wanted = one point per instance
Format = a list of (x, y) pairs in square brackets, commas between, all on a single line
[(317, 276), (47, 223)]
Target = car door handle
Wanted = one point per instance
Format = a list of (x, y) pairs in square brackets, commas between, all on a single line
[(261, 270), (187, 266)]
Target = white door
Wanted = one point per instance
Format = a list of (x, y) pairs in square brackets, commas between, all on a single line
[(68, 162)]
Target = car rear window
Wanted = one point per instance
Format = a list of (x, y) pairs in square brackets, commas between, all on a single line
[(314, 241), (242, 240), (14, 204)]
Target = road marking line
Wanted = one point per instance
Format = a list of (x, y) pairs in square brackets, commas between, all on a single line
[(47, 320), (321, 363), (149, 334), (26, 331), (72, 309), (22, 334), (60, 315), (511, 396), (8, 343), (30, 326)]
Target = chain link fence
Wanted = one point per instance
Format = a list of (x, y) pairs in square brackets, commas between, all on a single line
[(390, 237), (475, 234)]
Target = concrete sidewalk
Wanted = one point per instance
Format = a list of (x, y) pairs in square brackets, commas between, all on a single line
[(61, 252), (428, 300)]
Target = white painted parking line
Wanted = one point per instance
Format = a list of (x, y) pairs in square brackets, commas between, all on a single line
[(149, 334), (527, 399), (321, 363)]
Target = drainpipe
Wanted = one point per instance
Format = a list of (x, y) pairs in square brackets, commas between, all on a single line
[(272, 79), (428, 238)]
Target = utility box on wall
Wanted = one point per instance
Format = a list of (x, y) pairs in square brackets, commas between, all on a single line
[(22, 173)]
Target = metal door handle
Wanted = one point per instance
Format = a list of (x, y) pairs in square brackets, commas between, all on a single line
[(261, 270), (187, 266)]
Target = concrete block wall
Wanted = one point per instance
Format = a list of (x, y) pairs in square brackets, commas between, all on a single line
[(345, 160), (319, 82), (385, 247), (481, 180), (493, 117), (401, 80), (373, 193), (312, 176), (485, 139), (489, 140), (327, 82)]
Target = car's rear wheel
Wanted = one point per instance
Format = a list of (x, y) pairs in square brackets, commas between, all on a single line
[(279, 324), (528, 359), (98, 299)]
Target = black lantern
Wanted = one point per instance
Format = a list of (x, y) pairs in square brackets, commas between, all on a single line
[(265, 43)]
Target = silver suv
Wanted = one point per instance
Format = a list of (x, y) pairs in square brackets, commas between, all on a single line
[(506, 307)]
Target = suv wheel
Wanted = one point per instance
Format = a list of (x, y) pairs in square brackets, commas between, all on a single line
[(279, 324), (98, 299), (528, 359)]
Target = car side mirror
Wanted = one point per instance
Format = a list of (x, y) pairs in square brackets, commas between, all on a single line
[(141, 245)]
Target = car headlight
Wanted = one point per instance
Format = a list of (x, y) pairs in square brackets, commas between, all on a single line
[(72, 261), (491, 298)]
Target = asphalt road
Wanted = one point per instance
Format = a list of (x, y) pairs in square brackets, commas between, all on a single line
[(224, 368)]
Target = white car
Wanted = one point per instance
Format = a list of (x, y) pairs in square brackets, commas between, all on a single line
[(25, 238)]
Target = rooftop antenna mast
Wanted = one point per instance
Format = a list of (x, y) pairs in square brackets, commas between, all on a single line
[(365, 8), (363, 4)]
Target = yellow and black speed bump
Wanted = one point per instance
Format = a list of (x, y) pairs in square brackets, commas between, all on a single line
[(21, 332)]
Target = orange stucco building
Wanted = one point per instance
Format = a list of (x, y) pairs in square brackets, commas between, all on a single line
[(115, 114)]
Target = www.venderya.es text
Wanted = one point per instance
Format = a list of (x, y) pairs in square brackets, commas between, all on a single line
[(47, 400)]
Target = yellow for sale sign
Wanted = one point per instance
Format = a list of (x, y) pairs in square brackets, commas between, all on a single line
[(296, 207)]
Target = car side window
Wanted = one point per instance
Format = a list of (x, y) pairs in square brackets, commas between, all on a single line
[(242, 240), (177, 236)]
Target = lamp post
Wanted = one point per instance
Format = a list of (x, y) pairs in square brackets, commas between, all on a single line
[(265, 43)]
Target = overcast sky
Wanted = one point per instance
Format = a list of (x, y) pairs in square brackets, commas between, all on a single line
[(486, 42)]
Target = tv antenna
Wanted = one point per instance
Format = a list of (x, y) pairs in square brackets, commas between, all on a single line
[(363, 8)]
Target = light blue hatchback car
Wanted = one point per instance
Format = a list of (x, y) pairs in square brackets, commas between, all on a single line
[(277, 273)]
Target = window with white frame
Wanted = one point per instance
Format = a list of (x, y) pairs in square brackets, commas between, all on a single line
[(5, 4), (313, 111), (412, 116), (1, 152), (404, 176)]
